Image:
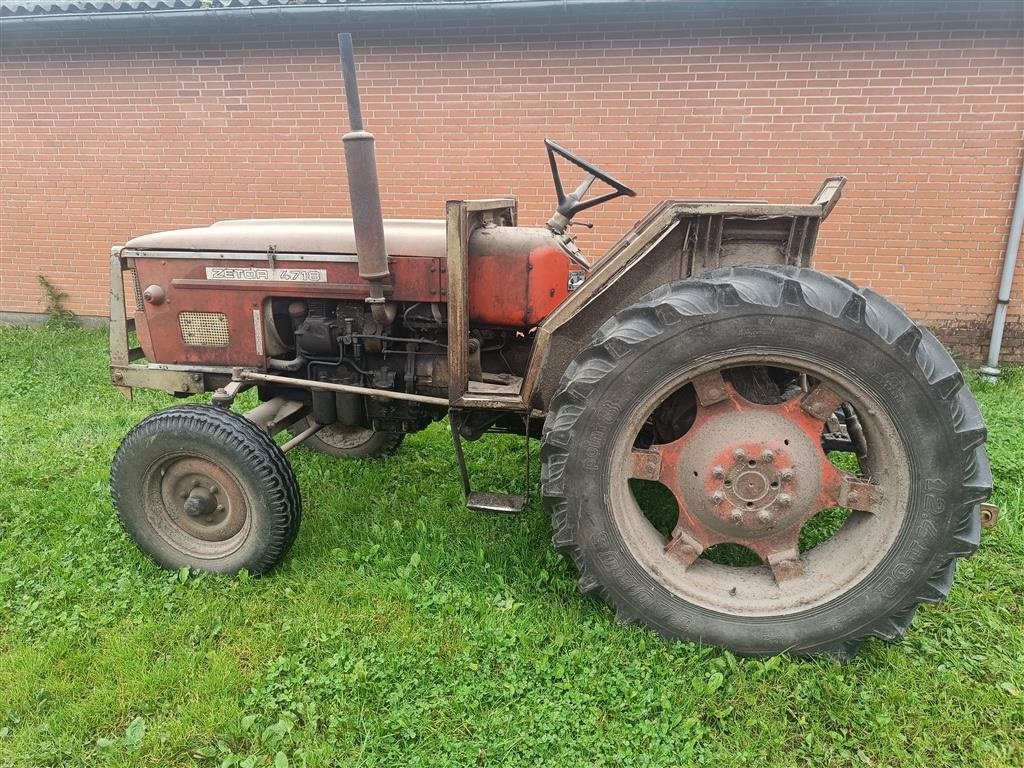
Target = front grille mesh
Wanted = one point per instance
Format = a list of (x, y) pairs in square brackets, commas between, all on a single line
[(139, 306), (204, 329)]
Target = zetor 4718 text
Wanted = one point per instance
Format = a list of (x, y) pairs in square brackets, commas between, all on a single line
[(736, 449)]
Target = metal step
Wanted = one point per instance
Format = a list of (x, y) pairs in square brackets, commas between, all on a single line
[(481, 501), (505, 503)]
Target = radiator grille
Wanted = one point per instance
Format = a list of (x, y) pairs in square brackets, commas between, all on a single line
[(204, 329), (139, 306)]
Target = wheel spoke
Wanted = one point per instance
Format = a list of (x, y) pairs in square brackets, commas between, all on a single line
[(820, 402), (840, 489), (646, 464), (711, 388), (858, 493), (785, 564), (684, 546)]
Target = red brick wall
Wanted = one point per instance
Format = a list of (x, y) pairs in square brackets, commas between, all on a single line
[(106, 135)]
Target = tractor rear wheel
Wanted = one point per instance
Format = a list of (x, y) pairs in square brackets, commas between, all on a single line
[(765, 459), (347, 442), (203, 487)]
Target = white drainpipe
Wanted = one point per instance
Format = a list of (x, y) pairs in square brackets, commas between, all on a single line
[(990, 371)]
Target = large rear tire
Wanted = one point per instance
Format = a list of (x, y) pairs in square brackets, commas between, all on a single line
[(347, 442), (725, 392), (201, 486)]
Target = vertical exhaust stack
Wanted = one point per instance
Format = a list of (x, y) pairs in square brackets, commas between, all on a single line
[(364, 190)]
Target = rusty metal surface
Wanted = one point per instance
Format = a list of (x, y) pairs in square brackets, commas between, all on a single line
[(457, 218), (195, 505), (256, 376), (517, 276), (733, 487), (989, 515), (277, 414), (754, 474), (187, 288)]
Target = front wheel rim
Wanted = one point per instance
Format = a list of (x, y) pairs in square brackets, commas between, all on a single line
[(754, 474), (196, 505)]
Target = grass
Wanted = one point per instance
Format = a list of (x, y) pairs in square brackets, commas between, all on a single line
[(405, 630)]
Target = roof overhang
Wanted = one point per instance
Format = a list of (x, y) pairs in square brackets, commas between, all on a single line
[(93, 13)]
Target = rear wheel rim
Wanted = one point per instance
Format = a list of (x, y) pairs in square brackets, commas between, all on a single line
[(344, 438), (754, 474)]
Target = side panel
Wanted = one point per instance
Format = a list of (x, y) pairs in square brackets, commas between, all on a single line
[(223, 300)]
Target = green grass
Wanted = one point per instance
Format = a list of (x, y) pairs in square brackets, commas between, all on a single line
[(405, 630)]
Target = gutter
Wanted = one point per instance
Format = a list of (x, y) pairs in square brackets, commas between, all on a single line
[(990, 371), (346, 11)]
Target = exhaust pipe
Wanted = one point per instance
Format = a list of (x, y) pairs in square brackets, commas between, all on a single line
[(364, 190)]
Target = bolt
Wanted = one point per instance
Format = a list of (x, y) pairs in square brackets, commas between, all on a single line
[(786, 474), (717, 497), (767, 456), (737, 516), (785, 499), (764, 516), (739, 454), (718, 473)]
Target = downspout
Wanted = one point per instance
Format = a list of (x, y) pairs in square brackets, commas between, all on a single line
[(990, 371)]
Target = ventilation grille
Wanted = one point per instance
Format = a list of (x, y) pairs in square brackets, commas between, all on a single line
[(139, 306), (204, 329)]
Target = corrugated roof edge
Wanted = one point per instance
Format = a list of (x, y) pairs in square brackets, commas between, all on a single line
[(11, 10)]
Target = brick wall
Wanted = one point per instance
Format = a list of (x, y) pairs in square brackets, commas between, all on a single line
[(112, 133)]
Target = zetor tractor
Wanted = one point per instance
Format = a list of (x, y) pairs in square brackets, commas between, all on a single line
[(736, 449)]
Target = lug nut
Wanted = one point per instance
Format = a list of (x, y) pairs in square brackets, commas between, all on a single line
[(737, 516), (767, 456), (717, 497), (786, 474), (718, 473), (764, 516), (785, 499), (739, 454)]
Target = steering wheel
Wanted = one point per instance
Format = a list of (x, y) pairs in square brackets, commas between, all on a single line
[(571, 204)]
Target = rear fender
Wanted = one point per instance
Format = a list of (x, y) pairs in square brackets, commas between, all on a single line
[(674, 241)]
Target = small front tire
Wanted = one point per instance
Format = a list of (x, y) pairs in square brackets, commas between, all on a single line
[(202, 487)]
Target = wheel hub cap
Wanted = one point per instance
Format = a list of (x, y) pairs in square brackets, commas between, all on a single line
[(201, 499)]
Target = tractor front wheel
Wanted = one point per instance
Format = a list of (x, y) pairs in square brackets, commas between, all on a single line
[(203, 487), (765, 459)]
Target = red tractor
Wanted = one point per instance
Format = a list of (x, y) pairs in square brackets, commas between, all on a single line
[(736, 449)]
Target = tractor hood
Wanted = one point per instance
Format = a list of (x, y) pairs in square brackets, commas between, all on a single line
[(404, 237)]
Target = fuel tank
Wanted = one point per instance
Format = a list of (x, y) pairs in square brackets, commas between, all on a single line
[(518, 275)]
